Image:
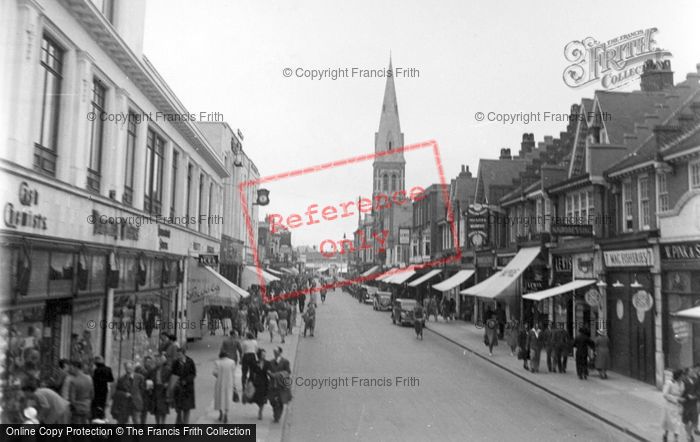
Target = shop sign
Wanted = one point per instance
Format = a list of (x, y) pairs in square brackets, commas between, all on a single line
[(592, 297), (681, 331), (681, 251), (22, 216), (583, 266), (629, 258), (572, 230), (114, 226), (642, 302), (477, 224), (404, 236), (562, 263)]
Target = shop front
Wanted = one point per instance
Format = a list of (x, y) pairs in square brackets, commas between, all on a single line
[(630, 311), (450, 288), (680, 266)]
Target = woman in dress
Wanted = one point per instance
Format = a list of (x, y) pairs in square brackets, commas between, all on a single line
[(672, 391), (224, 372), (602, 353), (258, 377), (272, 325)]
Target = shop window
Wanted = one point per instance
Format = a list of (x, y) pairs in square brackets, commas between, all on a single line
[(61, 272), (97, 273), (86, 341), (127, 272), (39, 276)]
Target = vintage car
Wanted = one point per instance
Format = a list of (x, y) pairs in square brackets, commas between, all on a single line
[(382, 301), (402, 311), (369, 294)]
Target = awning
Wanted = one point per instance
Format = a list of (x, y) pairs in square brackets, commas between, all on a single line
[(558, 290), (288, 271), (454, 280), (431, 274), (386, 276), (370, 271), (496, 284), (692, 314), (274, 272), (207, 286), (250, 276), (401, 277)]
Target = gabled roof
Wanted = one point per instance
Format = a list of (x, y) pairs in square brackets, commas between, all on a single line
[(624, 110), (498, 173)]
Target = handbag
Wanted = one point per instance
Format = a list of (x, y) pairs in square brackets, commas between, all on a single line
[(236, 398), (486, 340)]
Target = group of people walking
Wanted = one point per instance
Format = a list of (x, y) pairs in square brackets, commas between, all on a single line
[(681, 393)]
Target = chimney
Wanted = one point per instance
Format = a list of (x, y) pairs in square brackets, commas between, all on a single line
[(465, 172), (527, 144), (505, 154), (657, 76)]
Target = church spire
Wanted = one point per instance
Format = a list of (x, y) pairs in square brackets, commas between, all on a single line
[(389, 135)]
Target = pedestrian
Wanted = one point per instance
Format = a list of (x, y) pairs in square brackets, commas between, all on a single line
[(602, 353), (548, 343), (523, 350), (501, 319), (81, 394), (64, 365), (283, 314), (453, 308), (582, 343), (160, 378), (491, 334), (231, 346), (225, 386), (50, 406), (562, 346), (253, 320), (59, 376), (249, 348), (102, 377), (259, 379), (168, 347), (534, 343), (181, 386), (279, 392), (292, 317), (672, 392), (146, 371), (309, 320), (689, 415), (302, 301), (511, 335), (127, 402), (272, 325)]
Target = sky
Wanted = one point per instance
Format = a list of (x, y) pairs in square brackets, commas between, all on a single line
[(503, 57)]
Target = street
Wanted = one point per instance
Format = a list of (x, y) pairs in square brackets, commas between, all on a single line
[(457, 397)]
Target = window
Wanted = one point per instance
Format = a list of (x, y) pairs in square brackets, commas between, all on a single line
[(173, 183), (547, 214), (663, 192), (591, 208), (96, 136), (209, 212), (538, 215), (155, 147), (188, 204), (130, 150), (385, 182), (201, 202), (393, 183), (45, 148), (583, 198), (644, 208), (627, 206), (694, 169)]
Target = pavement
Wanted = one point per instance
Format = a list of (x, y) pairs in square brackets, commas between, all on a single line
[(362, 378), (632, 406), (204, 352)]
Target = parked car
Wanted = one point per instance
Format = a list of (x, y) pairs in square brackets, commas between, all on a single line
[(402, 312), (369, 294), (382, 301)]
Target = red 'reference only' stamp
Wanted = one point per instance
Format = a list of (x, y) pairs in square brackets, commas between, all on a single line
[(315, 214)]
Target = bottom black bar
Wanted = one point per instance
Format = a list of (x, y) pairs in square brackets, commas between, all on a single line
[(145, 432)]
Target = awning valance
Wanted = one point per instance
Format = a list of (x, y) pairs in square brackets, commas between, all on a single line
[(370, 271), (692, 314), (496, 284), (558, 290), (454, 280), (431, 274), (402, 277)]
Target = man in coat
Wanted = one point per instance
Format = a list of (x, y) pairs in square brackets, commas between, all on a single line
[(101, 378), (128, 397), (548, 343), (181, 389), (534, 342), (279, 392), (562, 345), (80, 393)]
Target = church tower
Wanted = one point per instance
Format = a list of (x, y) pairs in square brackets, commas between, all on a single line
[(389, 170)]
